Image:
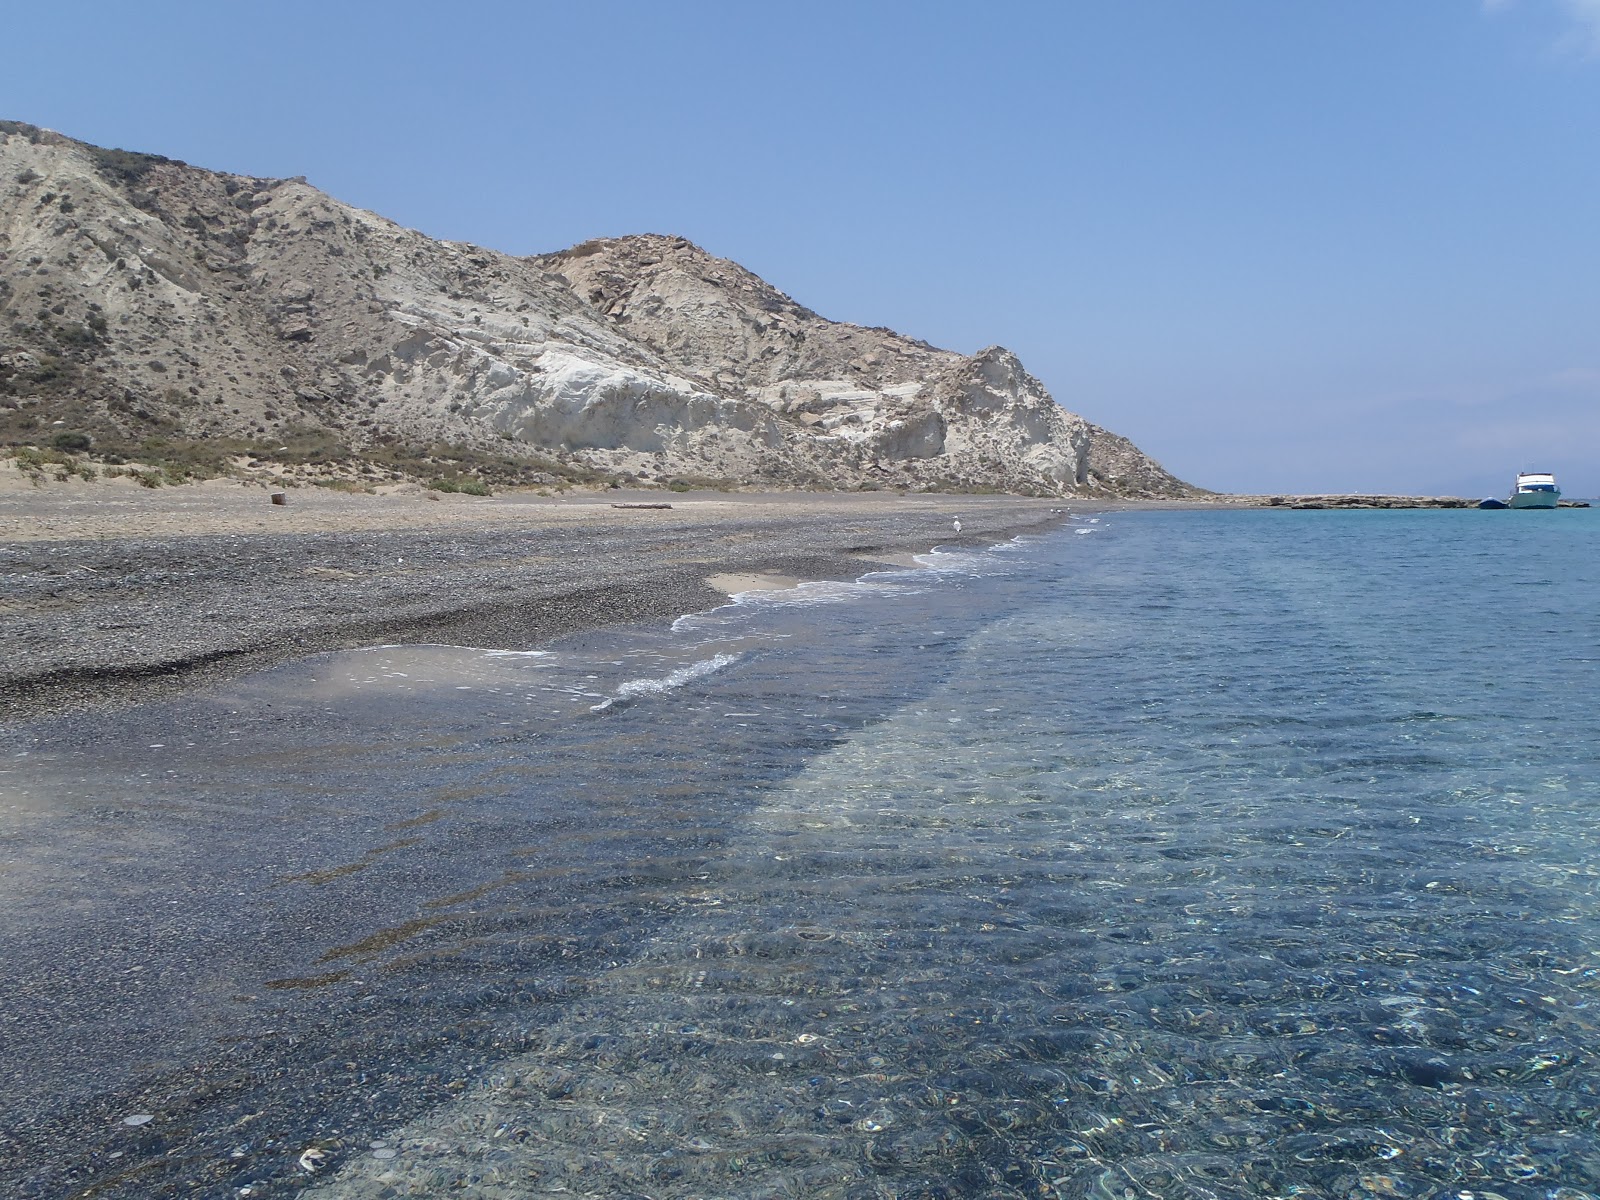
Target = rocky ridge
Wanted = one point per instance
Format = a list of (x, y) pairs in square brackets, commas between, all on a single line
[(152, 307)]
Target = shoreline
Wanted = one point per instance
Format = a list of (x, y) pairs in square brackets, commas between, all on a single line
[(112, 594), (111, 600)]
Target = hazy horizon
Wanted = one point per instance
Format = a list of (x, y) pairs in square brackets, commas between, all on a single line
[(1283, 248)]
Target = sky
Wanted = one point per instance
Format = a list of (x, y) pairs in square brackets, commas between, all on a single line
[(1321, 245)]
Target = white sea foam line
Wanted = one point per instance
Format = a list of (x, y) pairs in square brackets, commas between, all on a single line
[(1020, 542), (633, 689), (904, 577), (818, 592), (899, 580), (488, 651), (810, 592), (968, 564)]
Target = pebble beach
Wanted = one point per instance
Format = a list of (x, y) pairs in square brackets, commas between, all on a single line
[(111, 593)]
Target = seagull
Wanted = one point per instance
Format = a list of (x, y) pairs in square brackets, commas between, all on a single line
[(957, 524)]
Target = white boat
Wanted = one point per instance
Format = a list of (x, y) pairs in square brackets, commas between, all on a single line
[(1535, 489)]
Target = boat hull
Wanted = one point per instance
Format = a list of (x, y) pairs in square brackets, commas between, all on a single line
[(1535, 500)]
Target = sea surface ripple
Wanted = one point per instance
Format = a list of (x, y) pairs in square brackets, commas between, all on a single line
[(1207, 854)]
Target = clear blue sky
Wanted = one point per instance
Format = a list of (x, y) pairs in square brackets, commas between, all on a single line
[(1307, 245)]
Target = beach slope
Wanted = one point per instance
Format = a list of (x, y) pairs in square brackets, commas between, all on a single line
[(111, 592)]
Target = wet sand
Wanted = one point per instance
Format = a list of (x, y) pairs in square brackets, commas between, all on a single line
[(111, 593)]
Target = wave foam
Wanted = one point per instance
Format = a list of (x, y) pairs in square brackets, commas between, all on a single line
[(634, 689), (802, 594)]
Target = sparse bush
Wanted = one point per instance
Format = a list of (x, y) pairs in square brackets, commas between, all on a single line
[(467, 486), (175, 471), (77, 442), (49, 368), (124, 166), (62, 466)]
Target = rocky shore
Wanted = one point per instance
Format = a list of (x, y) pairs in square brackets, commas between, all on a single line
[(1358, 500), (111, 594), (1346, 500)]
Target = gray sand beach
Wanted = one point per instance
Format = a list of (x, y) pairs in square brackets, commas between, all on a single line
[(111, 592)]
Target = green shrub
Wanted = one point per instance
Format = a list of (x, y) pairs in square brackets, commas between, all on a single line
[(176, 473), (467, 486), (62, 466), (78, 442)]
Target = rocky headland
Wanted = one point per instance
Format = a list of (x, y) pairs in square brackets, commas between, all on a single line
[(201, 321)]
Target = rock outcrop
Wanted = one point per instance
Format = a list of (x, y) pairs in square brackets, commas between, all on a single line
[(146, 303)]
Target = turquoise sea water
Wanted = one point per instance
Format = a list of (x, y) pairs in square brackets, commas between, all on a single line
[(1180, 854)]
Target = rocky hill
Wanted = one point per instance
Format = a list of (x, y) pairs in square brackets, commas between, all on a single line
[(161, 311)]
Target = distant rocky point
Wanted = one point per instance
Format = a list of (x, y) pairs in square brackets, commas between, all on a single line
[(1355, 500), (1360, 500), (158, 311)]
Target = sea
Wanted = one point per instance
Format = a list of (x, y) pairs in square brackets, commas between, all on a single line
[(1172, 854)]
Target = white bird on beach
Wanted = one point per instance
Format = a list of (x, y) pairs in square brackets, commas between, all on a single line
[(957, 524)]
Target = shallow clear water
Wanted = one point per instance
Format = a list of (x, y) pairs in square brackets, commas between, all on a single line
[(1174, 854)]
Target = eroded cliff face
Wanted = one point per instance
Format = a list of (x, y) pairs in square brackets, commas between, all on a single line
[(144, 301)]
